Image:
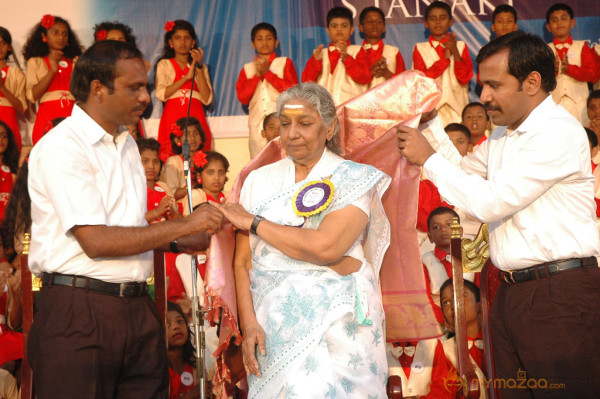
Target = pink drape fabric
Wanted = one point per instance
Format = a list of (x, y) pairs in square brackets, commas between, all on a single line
[(368, 136)]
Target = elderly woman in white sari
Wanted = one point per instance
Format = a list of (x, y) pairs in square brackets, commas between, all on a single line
[(311, 240)]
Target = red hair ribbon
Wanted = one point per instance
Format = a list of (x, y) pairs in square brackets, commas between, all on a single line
[(47, 21)]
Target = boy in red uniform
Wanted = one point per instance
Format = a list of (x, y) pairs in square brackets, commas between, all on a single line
[(385, 61), (504, 20), (261, 81), (445, 59), (575, 62), (476, 119), (438, 263), (342, 68), (445, 362)]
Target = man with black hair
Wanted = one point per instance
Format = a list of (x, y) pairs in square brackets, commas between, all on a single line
[(532, 182), (96, 333)]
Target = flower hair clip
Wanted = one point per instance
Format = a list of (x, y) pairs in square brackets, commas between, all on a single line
[(169, 26), (101, 35), (176, 130), (47, 21), (200, 160)]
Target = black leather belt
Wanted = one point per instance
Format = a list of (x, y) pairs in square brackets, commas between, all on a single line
[(92, 284), (546, 269)]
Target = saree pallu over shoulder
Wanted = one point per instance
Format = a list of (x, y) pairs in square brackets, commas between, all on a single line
[(317, 342)]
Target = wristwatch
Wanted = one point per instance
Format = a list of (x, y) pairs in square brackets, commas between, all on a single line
[(173, 247), (255, 222)]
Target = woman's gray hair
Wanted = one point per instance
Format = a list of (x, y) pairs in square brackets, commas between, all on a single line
[(319, 98)]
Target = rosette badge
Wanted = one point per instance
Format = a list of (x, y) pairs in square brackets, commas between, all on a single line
[(314, 197)]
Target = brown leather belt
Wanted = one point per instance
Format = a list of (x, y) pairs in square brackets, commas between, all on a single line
[(546, 269), (92, 284)]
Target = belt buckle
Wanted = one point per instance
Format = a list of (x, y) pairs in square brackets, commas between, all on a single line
[(122, 288), (508, 277)]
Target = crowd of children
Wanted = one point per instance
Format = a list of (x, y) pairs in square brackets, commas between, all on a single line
[(346, 70)]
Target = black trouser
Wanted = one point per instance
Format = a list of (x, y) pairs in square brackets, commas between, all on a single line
[(548, 328), (85, 344)]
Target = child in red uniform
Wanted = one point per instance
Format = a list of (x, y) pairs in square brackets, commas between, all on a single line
[(209, 175), (593, 113), (50, 52), (161, 203), (444, 383), (438, 263), (475, 118), (342, 68), (445, 59), (504, 20), (270, 130), (11, 342), (460, 136), (174, 173), (575, 62), (9, 159), (385, 61), (593, 140), (174, 71), (12, 87), (261, 81), (182, 358)]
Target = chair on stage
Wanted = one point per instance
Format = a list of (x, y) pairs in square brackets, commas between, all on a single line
[(473, 256)]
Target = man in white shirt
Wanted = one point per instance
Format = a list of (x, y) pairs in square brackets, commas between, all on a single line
[(96, 333), (532, 182)]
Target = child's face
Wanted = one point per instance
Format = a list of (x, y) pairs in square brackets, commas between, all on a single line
[(264, 42), (339, 30), (560, 24), (272, 129), (182, 42), (151, 163), (476, 120), (57, 37), (373, 26), (213, 178), (504, 23), (115, 34), (3, 139), (460, 141), (4, 49), (593, 110), (438, 22), (447, 302), (176, 329), (440, 230), (194, 138)]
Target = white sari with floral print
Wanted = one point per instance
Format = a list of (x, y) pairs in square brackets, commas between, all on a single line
[(324, 332)]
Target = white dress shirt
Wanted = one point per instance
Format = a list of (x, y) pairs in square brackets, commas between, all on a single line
[(533, 185), (81, 175)]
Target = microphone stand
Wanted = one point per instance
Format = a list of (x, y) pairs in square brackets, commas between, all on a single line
[(197, 311)]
